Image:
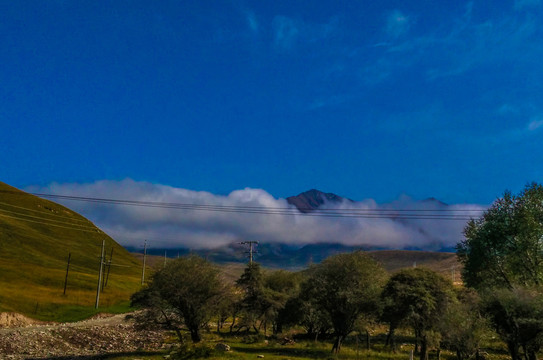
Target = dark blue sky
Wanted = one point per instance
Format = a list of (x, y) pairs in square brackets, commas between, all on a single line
[(367, 99)]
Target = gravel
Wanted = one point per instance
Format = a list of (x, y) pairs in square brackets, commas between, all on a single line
[(99, 336)]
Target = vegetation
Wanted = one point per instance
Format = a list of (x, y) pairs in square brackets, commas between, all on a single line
[(503, 259), (346, 287), (36, 237), (189, 288)]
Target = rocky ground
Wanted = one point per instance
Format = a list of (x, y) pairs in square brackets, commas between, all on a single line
[(22, 338)]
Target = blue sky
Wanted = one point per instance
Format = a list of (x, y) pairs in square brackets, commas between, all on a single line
[(363, 99)]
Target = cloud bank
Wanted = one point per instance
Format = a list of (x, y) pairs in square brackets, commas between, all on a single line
[(170, 228)]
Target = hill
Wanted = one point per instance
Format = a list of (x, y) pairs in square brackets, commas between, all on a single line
[(36, 236)]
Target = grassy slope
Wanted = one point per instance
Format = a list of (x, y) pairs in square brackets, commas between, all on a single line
[(393, 260), (36, 236)]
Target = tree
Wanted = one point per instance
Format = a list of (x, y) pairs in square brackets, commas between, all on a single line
[(417, 297), (504, 247), (462, 326), (189, 287), (346, 286), (279, 287), (502, 254), (517, 316), (253, 302)]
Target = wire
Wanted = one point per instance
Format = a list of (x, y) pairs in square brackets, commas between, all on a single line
[(43, 212), (49, 220), (96, 230), (395, 214)]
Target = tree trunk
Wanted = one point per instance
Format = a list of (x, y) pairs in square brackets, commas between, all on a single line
[(513, 350), (170, 325), (423, 350), (390, 339), (368, 345), (337, 344), (438, 354), (532, 355), (195, 335), (233, 323)]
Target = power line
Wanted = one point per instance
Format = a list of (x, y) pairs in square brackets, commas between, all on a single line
[(43, 212), (233, 207), (42, 218), (96, 230), (399, 214)]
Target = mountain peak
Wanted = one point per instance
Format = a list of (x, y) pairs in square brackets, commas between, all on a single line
[(311, 199)]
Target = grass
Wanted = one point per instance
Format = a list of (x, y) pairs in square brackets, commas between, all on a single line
[(36, 236)]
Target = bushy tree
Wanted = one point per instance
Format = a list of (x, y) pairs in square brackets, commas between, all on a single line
[(190, 287), (504, 247), (280, 286), (345, 287), (462, 326), (502, 256), (253, 302), (417, 297), (517, 316)]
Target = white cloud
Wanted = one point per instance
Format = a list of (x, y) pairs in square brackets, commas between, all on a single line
[(397, 23), (130, 225)]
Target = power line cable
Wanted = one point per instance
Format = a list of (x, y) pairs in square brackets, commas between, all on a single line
[(43, 212), (49, 220)]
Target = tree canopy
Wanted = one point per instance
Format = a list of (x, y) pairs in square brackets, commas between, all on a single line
[(504, 247), (346, 286), (190, 287), (502, 256)]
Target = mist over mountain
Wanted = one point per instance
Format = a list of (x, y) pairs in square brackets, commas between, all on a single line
[(313, 199), (255, 215)]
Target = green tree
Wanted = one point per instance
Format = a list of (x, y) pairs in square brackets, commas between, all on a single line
[(504, 247), (517, 316), (253, 302), (346, 286), (190, 287), (462, 326), (279, 287), (502, 254), (417, 297)]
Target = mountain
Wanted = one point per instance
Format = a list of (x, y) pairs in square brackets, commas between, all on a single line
[(36, 237), (295, 256), (312, 199)]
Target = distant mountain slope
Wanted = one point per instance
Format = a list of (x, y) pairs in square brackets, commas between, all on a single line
[(36, 236), (310, 200)]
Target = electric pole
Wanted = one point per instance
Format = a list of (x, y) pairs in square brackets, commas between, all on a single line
[(144, 255), (164, 258), (108, 269), (100, 275), (251, 250), (67, 269)]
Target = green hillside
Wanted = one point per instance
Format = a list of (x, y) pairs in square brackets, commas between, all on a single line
[(36, 236)]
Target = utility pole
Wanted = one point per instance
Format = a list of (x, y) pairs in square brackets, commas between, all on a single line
[(108, 268), (100, 275), (164, 258), (67, 269), (144, 256), (251, 251)]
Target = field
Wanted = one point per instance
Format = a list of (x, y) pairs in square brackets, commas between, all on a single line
[(36, 237)]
